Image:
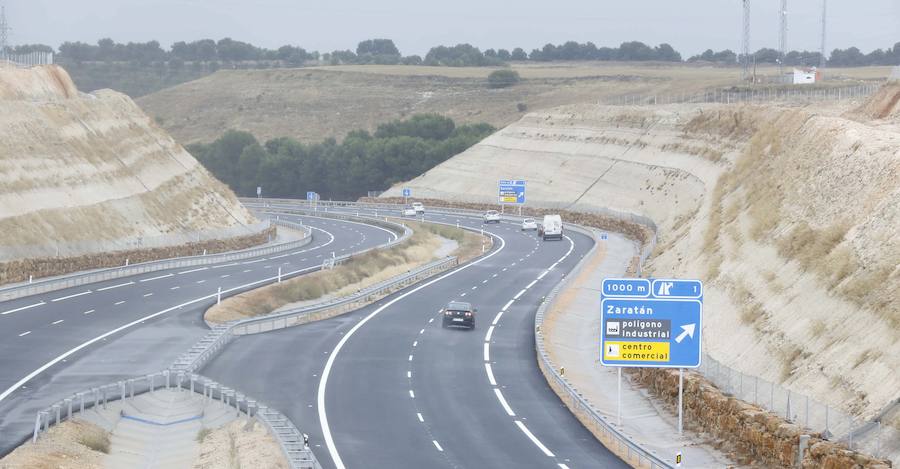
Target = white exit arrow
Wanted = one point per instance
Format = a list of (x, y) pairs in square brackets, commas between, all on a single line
[(688, 331)]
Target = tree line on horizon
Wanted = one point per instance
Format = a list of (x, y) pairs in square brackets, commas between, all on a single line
[(397, 151), (384, 51)]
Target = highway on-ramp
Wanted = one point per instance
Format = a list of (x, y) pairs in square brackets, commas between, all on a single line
[(387, 386), (66, 341)]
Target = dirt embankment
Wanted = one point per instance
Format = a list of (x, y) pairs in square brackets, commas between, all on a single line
[(243, 443), (788, 214), (74, 444), (83, 168)]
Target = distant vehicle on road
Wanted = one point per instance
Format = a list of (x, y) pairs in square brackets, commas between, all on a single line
[(551, 228), (529, 224), (419, 208), (492, 216), (409, 211), (458, 313)]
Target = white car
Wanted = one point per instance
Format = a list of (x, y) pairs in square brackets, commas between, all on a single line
[(409, 212), (492, 216), (419, 208), (529, 224)]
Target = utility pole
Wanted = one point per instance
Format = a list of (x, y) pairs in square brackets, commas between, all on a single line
[(782, 39), (745, 43), (822, 46), (4, 30)]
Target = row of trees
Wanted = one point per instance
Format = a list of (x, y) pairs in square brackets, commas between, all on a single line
[(283, 167), (850, 57), (384, 51)]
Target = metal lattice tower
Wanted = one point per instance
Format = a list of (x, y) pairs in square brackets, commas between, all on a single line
[(782, 37), (745, 42), (4, 29), (822, 46)]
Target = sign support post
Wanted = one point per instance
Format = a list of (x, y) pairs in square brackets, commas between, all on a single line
[(681, 401), (619, 398)]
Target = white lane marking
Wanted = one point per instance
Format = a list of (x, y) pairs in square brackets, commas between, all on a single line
[(483, 282), (225, 276), (490, 332), (70, 296), (254, 262), (497, 318), (563, 466), (422, 331), (119, 302), (248, 270), (225, 265), (323, 379), (553, 265), (531, 284), (431, 320), (56, 322), (192, 270), (437, 445), (504, 270), (412, 394), (487, 352), (503, 402), (474, 288), (543, 274), (415, 342), (419, 416), (506, 306), (279, 257), (409, 374), (23, 308), (201, 281), (24, 333), (155, 278), (490, 373), (88, 311), (494, 276), (461, 295), (148, 294), (518, 295), (534, 439), (115, 286), (513, 264), (410, 358), (175, 288), (103, 336)]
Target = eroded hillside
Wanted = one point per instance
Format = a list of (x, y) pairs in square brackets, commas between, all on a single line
[(789, 214), (77, 167)]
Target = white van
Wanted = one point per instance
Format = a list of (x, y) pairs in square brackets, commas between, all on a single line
[(552, 228)]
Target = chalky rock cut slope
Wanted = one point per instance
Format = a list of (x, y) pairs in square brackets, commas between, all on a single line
[(87, 167), (789, 214)]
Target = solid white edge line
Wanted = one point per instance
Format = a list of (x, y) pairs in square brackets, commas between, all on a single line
[(437, 445), (23, 308), (155, 278), (490, 374), (519, 295), (195, 270), (69, 296), (534, 439), (497, 318), (490, 332), (116, 286), (487, 352), (543, 274), (503, 402), (323, 379), (531, 284), (507, 305)]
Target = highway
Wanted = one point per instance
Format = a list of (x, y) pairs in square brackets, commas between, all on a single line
[(387, 386), (65, 341)]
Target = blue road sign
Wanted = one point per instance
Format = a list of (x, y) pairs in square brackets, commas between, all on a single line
[(407, 192), (651, 324), (312, 196), (511, 191)]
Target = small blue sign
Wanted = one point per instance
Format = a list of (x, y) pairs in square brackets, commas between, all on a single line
[(312, 196), (651, 324), (511, 191), (604, 236), (407, 192)]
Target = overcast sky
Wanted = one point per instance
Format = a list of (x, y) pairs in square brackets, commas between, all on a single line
[(691, 26)]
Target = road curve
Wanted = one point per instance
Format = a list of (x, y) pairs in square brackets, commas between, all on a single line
[(65, 341), (400, 391)]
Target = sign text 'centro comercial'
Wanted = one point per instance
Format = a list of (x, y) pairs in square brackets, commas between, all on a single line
[(511, 191), (651, 323)]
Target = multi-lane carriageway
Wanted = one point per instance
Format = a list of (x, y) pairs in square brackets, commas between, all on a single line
[(384, 386)]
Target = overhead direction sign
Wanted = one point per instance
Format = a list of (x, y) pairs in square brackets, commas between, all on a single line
[(511, 191), (655, 323), (407, 192)]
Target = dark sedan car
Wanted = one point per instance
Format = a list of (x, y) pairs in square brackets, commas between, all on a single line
[(457, 313)]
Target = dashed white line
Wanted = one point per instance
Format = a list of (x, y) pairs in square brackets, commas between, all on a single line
[(475, 288), (119, 302), (24, 333), (415, 342), (412, 394), (70, 296), (431, 320), (115, 286), (419, 416), (497, 318), (254, 262), (437, 445), (201, 281), (487, 352), (155, 278), (563, 466), (248, 270), (422, 331), (531, 284), (543, 274), (409, 374), (175, 288), (533, 438), (494, 276), (490, 374), (56, 322), (226, 265), (88, 311), (503, 402), (490, 332), (506, 306), (462, 295), (192, 270), (484, 281), (225, 276), (147, 294), (521, 292), (410, 358), (23, 308)]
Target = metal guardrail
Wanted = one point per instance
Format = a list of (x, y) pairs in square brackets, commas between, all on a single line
[(293, 443), (76, 279), (752, 96)]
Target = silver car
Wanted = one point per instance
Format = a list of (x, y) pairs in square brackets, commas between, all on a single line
[(529, 224)]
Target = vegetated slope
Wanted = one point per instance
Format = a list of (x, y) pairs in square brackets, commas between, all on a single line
[(790, 216), (77, 167)]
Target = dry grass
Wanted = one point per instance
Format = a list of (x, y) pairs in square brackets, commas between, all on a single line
[(74, 443), (95, 440), (357, 273), (791, 355)]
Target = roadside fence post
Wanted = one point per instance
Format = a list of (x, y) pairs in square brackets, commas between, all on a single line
[(37, 427), (218, 301), (279, 275)]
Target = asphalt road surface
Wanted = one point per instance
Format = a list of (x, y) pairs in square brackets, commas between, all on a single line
[(65, 341), (387, 386)]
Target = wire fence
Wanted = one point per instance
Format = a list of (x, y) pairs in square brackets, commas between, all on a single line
[(78, 248), (27, 60), (748, 96)]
